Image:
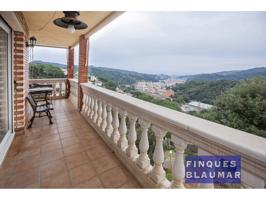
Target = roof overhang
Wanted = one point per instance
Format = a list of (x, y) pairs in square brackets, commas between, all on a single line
[(40, 25)]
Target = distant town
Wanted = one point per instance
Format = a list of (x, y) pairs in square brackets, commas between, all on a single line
[(161, 90)]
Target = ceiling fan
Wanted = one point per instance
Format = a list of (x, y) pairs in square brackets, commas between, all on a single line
[(70, 21)]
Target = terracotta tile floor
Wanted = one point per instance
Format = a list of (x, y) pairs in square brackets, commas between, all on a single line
[(66, 154)]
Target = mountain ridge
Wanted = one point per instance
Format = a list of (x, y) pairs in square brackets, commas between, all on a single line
[(121, 76), (228, 75)]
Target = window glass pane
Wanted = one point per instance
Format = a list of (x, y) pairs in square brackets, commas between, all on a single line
[(3, 83)]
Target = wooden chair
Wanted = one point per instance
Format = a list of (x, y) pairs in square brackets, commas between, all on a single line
[(39, 109)]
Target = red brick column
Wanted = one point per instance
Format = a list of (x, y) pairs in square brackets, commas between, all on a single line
[(70, 63), (21, 77), (83, 66)]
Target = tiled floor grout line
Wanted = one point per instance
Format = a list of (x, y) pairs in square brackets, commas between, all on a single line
[(68, 171), (44, 134)]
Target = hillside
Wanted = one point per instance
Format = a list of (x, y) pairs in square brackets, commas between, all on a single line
[(49, 63), (123, 76), (117, 76), (228, 75)]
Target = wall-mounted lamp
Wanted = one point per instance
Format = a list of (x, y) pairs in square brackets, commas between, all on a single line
[(31, 42)]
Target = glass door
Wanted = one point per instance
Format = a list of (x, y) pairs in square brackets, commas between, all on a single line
[(6, 101)]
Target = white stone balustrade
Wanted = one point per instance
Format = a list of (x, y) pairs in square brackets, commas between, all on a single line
[(59, 85), (114, 109)]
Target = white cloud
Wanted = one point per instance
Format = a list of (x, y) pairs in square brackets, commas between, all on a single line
[(177, 42)]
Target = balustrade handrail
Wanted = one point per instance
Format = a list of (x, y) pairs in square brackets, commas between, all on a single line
[(48, 80), (60, 86), (73, 80), (188, 127)]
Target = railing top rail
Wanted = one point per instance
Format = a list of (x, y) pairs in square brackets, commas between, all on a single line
[(247, 144), (48, 79), (73, 80)]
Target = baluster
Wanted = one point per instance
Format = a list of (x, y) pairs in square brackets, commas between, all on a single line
[(99, 119), (60, 89), (64, 88), (178, 171), (202, 152), (109, 128), (123, 143), (132, 150), (92, 107), (143, 160), (95, 110), (157, 172), (88, 106), (84, 100), (104, 116), (54, 90), (115, 134)]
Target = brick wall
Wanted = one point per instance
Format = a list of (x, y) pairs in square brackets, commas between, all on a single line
[(70, 63), (83, 66), (21, 72)]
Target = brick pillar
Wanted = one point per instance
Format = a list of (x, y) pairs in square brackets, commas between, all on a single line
[(83, 66), (21, 77), (70, 63)]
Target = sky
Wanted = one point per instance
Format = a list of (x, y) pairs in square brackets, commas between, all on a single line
[(176, 43)]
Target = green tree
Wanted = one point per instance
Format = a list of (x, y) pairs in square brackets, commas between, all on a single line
[(242, 107), (204, 91), (108, 84), (41, 71)]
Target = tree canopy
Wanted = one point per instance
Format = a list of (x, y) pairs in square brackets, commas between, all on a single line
[(242, 107), (41, 71), (203, 91)]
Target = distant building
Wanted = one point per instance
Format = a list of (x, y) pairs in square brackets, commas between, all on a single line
[(156, 89), (95, 81), (117, 89), (168, 93), (195, 106)]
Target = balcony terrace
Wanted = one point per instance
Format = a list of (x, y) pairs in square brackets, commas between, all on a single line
[(66, 154), (101, 138)]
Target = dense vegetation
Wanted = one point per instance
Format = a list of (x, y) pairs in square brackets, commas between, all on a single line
[(203, 91), (108, 84), (40, 71), (123, 77), (242, 107), (237, 104)]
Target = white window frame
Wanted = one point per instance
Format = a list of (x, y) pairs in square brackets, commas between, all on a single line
[(8, 138)]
